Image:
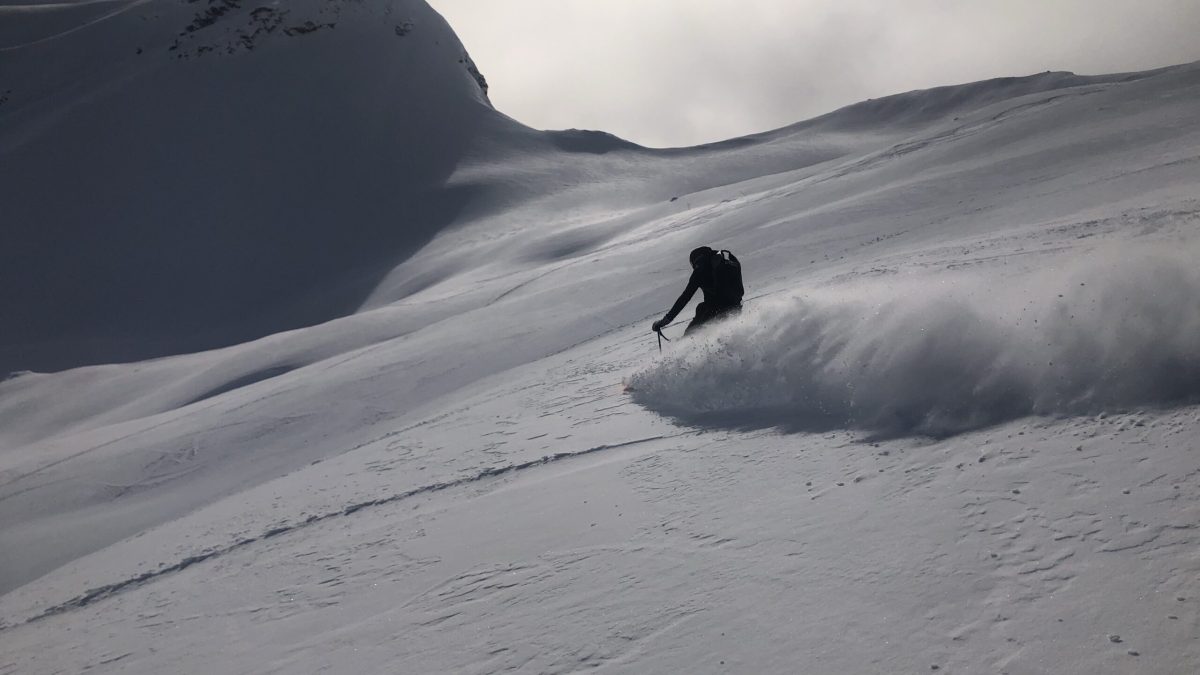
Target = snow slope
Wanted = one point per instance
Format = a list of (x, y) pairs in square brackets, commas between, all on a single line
[(183, 175), (956, 425)]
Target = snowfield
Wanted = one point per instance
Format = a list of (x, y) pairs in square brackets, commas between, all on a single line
[(321, 364)]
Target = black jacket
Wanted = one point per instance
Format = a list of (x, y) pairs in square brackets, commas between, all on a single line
[(702, 278)]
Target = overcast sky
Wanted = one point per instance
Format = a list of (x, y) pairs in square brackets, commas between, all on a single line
[(681, 72)]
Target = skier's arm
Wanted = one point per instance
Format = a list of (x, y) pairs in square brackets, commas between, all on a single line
[(693, 284)]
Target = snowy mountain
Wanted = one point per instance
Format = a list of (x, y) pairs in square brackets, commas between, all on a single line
[(184, 175), (385, 430)]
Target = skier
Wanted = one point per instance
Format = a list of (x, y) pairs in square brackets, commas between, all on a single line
[(719, 275)]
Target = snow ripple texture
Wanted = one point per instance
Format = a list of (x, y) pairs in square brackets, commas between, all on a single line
[(933, 357)]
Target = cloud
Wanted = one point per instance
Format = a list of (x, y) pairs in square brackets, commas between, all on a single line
[(680, 72)]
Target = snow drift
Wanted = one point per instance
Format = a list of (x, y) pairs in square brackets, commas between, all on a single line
[(935, 357)]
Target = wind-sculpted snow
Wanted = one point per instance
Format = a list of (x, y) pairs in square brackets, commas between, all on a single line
[(935, 357)]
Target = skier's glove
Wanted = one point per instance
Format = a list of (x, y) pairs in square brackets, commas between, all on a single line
[(657, 326)]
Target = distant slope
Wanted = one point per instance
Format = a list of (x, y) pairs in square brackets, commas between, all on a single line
[(924, 106), (177, 176)]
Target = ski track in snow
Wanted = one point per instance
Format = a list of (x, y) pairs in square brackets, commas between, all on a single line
[(108, 590)]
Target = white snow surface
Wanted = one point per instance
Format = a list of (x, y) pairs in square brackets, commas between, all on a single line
[(956, 427)]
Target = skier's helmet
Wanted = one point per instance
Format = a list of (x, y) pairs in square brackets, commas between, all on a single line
[(699, 255)]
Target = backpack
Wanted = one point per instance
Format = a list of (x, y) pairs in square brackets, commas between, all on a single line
[(727, 277)]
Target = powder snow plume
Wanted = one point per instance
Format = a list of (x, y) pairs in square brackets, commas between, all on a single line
[(1116, 330)]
